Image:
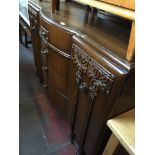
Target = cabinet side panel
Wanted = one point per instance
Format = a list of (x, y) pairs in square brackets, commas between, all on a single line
[(34, 16), (126, 99)]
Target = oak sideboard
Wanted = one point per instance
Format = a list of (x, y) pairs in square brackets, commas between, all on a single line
[(81, 59)]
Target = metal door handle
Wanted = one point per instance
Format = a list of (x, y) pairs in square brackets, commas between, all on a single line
[(83, 87)]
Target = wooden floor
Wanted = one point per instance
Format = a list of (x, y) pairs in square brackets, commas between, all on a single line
[(43, 130)]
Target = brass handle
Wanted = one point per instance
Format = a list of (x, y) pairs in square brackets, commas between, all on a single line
[(83, 87)]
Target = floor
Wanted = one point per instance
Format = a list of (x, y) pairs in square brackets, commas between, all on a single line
[(43, 130)]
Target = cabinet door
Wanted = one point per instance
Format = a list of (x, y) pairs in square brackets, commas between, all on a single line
[(56, 47), (94, 87)]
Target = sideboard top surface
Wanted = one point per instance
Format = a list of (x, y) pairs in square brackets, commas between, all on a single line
[(107, 31)]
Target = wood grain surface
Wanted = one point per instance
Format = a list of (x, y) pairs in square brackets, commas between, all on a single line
[(130, 4), (123, 127), (123, 12)]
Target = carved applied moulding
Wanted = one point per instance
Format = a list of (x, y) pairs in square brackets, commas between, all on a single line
[(100, 78), (44, 51), (33, 19), (45, 46)]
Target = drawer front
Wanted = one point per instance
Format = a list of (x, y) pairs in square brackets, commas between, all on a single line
[(58, 37)]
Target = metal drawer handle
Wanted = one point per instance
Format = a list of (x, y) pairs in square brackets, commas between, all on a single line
[(83, 87)]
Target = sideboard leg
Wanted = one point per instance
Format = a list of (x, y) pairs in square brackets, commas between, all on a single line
[(20, 34), (26, 40)]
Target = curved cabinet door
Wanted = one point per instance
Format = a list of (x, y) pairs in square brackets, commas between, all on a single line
[(56, 47), (94, 89)]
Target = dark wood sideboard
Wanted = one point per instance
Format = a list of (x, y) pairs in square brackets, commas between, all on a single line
[(83, 67)]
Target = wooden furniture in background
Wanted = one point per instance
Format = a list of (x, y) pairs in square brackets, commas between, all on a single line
[(24, 28), (34, 18), (123, 131), (55, 4), (113, 9), (129, 4), (119, 8), (24, 24)]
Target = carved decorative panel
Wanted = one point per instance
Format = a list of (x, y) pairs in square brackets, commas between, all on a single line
[(44, 51), (33, 17), (81, 60), (33, 22), (100, 78)]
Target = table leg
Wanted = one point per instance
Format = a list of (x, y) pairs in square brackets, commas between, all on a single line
[(131, 45), (20, 34), (111, 145), (55, 5)]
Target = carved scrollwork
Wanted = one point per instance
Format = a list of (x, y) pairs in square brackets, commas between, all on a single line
[(81, 61), (100, 78), (33, 22), (44, 40), (33, 19), (44, 51)]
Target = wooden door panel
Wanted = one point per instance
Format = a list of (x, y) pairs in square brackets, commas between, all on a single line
[(101, 109), (58, 72), (80, 117), (57, 83)]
